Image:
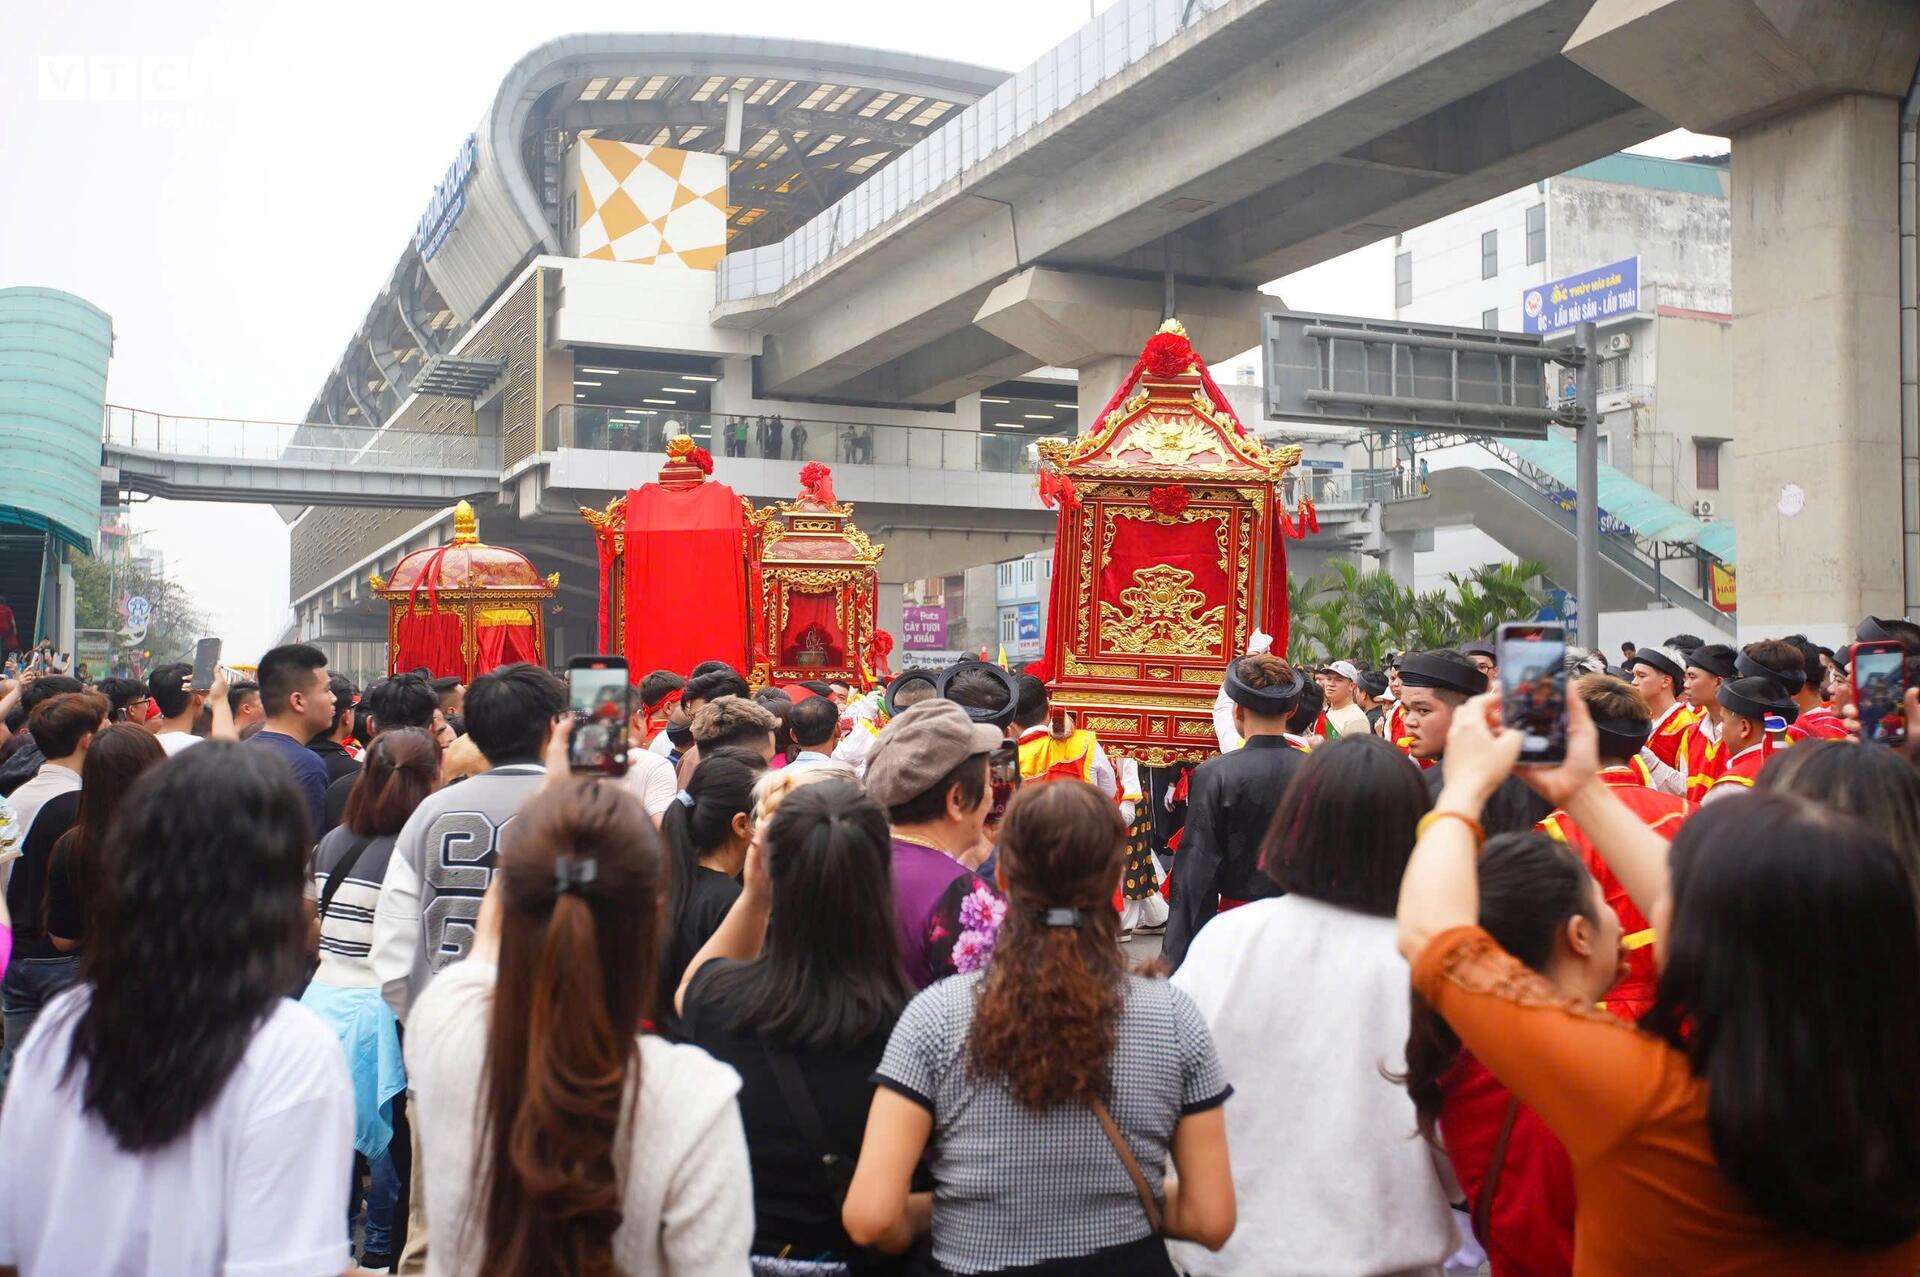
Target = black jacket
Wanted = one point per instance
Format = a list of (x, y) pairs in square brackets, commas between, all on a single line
[(1230, 803)]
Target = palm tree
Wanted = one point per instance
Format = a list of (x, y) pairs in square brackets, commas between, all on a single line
[(1342, 612)]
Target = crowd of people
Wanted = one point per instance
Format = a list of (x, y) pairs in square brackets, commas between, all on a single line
[(306, 978)]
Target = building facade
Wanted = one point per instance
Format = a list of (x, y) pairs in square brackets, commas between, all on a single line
[(54, 352), (1666, 367)]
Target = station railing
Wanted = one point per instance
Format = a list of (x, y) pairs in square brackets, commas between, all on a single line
[(233, 439)]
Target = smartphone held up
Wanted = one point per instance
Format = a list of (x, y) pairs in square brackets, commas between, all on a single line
[(1882, 673), (601, 701), (1533, 688)]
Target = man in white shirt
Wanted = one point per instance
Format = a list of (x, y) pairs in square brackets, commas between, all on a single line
[(1338, 681), (63, 727), (171, 687), (815, 724)]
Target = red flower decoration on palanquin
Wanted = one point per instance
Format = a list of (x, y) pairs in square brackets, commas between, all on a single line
[(1167, 355), (816, 481), (882, 643), (1169, 500), (702, 458)]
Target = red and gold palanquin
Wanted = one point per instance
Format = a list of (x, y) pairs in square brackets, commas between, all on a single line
[(1169, 556), (465, 607), (817, 591)]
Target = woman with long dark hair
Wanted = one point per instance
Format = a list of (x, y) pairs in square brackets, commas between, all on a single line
[(176, 1112), (707, 829), (399, 769), (1765, 1115), (1057, 1086), (798, 991), (76, 873), (592, 1149), (1540, 903), (1306, 997)]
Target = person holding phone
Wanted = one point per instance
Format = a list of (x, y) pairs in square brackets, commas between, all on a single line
[(180, 703)]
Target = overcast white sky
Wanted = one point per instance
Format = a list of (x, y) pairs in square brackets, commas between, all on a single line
[(238, 207)]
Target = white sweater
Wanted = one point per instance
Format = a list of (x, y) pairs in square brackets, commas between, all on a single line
[(687, 1192), (1307, 1003)]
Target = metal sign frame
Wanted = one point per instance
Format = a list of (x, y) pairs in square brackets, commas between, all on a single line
[(1380, 374)]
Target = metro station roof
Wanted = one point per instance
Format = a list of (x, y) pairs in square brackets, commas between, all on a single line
[(818, 120)]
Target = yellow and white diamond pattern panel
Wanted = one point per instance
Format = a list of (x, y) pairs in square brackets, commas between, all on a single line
[(651, 205)]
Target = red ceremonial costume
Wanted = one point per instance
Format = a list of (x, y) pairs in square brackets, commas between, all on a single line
[(1670, 731), (465, 607), (673, 568), (816, 589), (1700, 758), (1170, 554), (1743, 768), (1662, 813), (1818, 723)]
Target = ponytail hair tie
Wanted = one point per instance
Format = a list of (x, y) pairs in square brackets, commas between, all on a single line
[(572, 873), (1075, 918), (684, 799)]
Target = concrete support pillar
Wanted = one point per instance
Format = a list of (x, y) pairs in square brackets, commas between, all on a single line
[(1816, 371), (1097, 324)]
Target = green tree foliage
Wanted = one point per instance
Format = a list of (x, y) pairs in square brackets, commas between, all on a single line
[(1344, 613), (175, 624)]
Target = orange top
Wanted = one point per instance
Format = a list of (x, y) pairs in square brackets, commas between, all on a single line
[(1633, 1118)]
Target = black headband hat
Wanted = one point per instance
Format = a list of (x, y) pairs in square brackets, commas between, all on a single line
[(903, 680), (1661, 661), (1872, 630), (1756, 698), (1429, 669), (1750, 667), (1716, 659), (1622, 737), (1000, 716), (1486, 649), (1269, 702)]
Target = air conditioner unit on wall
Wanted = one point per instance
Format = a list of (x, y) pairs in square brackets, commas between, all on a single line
[(1619, 343), (1703, 509)]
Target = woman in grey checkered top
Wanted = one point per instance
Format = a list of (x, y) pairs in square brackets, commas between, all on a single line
[(1056, 1086)]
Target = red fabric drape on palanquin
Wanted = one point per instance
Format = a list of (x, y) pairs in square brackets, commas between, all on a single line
[(685, 582)]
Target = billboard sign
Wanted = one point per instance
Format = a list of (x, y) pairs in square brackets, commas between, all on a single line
[(1027, 623), (448, 202), (924, 628), (1593, 296)]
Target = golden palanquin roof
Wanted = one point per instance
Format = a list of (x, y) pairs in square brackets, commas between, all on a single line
[(466, 564), (813, 533), (1170, 428)]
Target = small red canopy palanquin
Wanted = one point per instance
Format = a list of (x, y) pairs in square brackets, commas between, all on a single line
[(465, 607), (816, 589), (1169, 556), (673, 568)]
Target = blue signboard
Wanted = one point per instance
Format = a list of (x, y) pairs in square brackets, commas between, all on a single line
[(448, 202), (1591, 296), (1027, 621)]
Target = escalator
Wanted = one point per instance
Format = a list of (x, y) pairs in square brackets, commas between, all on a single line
[(1521, 517)]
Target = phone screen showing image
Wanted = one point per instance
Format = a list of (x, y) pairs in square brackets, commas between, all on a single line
[(599, 699), (1879, 686), (1533, 689), (1003, 778)]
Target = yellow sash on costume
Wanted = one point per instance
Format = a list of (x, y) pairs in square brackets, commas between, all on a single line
[(1045, 755)]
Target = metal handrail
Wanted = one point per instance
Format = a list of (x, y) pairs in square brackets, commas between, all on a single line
[(800, 439)]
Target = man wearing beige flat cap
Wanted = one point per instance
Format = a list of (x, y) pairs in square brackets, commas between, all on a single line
[(929, 770)]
